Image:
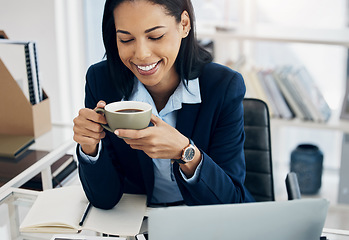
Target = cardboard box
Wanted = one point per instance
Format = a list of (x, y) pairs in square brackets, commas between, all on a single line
[(18, 115)]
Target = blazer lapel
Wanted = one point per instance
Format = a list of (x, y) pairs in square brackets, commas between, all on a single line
[(186, 119)]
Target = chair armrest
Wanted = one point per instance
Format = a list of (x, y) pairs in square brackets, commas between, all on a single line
[(292, 186)]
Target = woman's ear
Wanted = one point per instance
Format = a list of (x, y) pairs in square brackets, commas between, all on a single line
[(185, 24)]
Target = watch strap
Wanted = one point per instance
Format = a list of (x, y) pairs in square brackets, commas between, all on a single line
[(180, 160)]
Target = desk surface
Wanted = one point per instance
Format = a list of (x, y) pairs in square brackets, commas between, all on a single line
[(15, 203), (338, 217), (47, 149), (336, 236), (58, 135)]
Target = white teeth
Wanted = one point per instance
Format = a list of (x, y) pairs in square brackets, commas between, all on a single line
[(147, 68)]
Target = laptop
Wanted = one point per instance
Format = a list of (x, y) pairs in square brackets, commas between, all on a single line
[(301, 219)]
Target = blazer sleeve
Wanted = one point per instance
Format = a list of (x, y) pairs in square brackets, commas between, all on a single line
[(223, 170), (101, 180)]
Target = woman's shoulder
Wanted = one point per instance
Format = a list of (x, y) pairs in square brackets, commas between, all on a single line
[(221, 86), (99, 83), (98, 73), (101, 66), (217, 69)]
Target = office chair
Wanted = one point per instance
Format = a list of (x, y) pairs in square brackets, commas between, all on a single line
[(259, 168)]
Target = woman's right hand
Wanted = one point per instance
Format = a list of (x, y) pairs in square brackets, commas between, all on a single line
[(88, 130)]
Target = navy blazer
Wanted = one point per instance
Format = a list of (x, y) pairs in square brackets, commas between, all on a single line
[(215, 125)]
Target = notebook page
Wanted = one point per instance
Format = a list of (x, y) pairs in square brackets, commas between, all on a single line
[(56, 208), (125, 219)]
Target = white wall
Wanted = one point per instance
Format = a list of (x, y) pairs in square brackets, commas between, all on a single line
[(58, 29), (93, 18)]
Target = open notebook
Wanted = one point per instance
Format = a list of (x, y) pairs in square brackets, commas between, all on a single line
[(60, 211), (285, 220)]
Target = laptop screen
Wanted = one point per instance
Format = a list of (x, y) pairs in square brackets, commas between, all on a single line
[(301, 219)]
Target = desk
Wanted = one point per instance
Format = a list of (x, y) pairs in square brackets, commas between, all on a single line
[(56, 142), (334, 236), (15, 204)]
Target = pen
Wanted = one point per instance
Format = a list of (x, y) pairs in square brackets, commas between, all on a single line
[(85, 214)]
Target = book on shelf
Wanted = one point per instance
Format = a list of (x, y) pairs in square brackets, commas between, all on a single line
[(277, 96), (305, 103), (289, 80), (289, 92), (251, 90), (60, 210), (36, 96), (269, 94), (255, 87), (20, 58), (315, 100), (13, 146), (279, 76)]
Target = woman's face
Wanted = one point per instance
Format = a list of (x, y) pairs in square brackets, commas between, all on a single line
[(148, 42)]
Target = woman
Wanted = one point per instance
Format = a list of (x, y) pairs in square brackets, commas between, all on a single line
[(193, 151)]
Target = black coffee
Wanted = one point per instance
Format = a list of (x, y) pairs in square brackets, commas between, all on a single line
[(129, 110)]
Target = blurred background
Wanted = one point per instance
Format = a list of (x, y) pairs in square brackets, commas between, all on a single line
[(242, 34)]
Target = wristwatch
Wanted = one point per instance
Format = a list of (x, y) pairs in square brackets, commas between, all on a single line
[(188, 153)]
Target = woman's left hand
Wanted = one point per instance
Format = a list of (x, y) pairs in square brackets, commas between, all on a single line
[(161, 141), (158, 141)]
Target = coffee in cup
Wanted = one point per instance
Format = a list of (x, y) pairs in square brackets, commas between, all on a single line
[(126, 115)]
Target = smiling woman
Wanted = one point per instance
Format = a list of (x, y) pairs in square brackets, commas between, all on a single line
[(148, 41), (192, 151), (163, 33)]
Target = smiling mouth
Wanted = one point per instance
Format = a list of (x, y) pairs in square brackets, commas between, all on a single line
[(147, 69)]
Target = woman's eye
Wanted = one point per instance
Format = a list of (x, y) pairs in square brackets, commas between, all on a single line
[(125, 41), (156, 38)]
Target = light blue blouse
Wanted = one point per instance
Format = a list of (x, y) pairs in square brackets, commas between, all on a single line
[(165, 185)]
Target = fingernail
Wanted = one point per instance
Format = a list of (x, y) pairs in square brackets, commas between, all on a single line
[(116, 132)]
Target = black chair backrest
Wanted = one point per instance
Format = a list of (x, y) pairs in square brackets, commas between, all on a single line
[(259, 169)]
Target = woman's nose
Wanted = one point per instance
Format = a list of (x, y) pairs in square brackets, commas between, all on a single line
[(142, 50)]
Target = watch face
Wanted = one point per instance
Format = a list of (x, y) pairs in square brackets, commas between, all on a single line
[(189, 154)]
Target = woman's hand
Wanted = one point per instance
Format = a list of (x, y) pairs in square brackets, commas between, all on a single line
[(87, 129), (160, 141)]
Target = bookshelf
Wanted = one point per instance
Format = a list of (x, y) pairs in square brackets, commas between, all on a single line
[(48, 149), (338, 37), (242, 34), (334, 124)]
